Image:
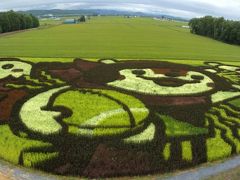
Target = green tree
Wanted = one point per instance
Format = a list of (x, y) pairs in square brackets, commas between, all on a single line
[(29, 21), (14, 21), (216, 28), (35, 21), (4, 22), (82, 19), (23, 22), (208, 26)]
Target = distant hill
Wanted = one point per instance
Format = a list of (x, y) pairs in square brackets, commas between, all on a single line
[(95, 12)]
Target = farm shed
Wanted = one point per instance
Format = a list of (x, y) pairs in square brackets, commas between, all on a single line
[(70, 21)]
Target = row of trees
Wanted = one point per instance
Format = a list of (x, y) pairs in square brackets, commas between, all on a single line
[(217, 28), (13, 21)]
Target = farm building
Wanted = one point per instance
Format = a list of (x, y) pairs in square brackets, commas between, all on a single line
[(70, 21)]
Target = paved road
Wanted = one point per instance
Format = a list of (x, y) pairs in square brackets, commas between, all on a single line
[(17, 173), (204, 172), (11, 172), (2, 177)]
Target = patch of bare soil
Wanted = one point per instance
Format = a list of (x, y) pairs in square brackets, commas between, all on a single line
[(110, 161), (66, 74), (175, 101), (15, 32), (179, 72), (7, 103)]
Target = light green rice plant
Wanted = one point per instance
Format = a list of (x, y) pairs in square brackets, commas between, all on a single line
[(178, 128), (11, 146), (146, 136), (138, 84), (223, 95), (36, 118)]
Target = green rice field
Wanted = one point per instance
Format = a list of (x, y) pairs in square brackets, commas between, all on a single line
[(117, 37)]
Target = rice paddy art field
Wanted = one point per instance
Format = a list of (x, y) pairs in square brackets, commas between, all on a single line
[(117, 118), (148, 97)]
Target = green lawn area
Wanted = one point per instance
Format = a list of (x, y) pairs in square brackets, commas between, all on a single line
[(117, 37)]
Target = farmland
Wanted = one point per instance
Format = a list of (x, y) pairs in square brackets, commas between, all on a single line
[(117, 97), (117, 37), (109, 115)]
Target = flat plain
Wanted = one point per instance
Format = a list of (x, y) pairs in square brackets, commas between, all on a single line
[(117, 37), (91, 100)]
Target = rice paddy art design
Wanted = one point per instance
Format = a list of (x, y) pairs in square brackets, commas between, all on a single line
[(116, 118)]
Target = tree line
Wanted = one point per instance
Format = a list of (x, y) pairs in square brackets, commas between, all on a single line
[(217, 28), (13, 21)]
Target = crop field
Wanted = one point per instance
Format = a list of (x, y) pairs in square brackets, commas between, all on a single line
[(107, 118), (117, 37), (117, 96)]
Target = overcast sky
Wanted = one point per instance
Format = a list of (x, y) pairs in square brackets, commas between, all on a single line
[(185, 8)]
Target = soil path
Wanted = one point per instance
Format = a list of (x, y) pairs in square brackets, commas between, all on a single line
[(16, 32)]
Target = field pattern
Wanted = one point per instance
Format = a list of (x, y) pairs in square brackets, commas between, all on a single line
[(116, 118)]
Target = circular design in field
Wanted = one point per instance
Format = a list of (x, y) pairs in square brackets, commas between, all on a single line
[(110, 118)]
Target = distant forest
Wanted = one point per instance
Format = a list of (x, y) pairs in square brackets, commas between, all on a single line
[(13, 21), (217, 28)]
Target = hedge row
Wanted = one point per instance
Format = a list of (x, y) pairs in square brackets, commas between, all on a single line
[(217, 28), (13, 21)]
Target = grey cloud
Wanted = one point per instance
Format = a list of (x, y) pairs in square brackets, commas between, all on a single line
[(185, 8)]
